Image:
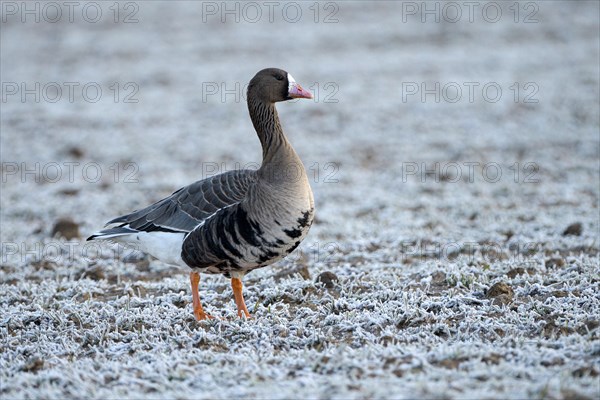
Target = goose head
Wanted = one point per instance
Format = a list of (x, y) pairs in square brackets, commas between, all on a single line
[(272, 85)]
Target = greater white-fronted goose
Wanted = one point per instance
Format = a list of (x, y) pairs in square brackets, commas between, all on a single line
[(237, 221)]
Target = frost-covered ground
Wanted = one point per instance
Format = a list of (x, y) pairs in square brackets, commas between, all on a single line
[(463, 232)]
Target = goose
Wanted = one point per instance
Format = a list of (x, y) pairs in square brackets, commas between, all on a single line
[(237, 221)]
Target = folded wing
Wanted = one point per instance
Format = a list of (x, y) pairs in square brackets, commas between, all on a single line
[(186, 208)]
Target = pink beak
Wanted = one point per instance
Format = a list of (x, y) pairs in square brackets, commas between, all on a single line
[(296, 92)]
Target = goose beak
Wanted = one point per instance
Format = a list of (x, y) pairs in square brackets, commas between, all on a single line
[(297, 92)]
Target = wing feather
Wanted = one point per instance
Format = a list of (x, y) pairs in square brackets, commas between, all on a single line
[(189, 206)]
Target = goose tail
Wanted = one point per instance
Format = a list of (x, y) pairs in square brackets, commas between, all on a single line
[(112, 233)]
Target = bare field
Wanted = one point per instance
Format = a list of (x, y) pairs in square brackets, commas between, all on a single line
[(455, 164)]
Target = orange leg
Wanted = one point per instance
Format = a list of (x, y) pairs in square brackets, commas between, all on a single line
[(198, 310), (236, 285)]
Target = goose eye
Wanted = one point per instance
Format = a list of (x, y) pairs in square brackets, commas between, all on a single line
[(279, 77)]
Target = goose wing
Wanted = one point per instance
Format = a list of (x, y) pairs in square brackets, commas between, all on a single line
[(191, 205)]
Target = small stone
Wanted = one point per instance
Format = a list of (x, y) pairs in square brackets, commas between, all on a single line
[(69, 192), (76, 152), (329, 279), (66, 228), (499, 288), (398, 373), (574, 229), (500, 293)]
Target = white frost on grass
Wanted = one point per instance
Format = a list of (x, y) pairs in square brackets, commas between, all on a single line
[(415, 255)]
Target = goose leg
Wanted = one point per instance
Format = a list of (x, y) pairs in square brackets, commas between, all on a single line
[(198, 310), (236, 285)]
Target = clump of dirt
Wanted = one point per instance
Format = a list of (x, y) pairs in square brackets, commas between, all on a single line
[(33, 364), (520, 271), (76, 152), (575, 229), (65, 227), (328, 279), (500, 293), (555, 262), (301, 270)]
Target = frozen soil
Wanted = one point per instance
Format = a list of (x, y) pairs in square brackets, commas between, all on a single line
[(459, 238)]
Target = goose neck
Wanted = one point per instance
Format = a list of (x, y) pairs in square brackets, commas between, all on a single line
[(268, 127)]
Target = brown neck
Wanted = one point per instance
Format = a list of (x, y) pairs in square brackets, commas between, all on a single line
[(266, 123), (281, 164)]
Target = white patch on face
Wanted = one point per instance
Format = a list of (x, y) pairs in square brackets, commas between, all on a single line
[(291, 82)]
